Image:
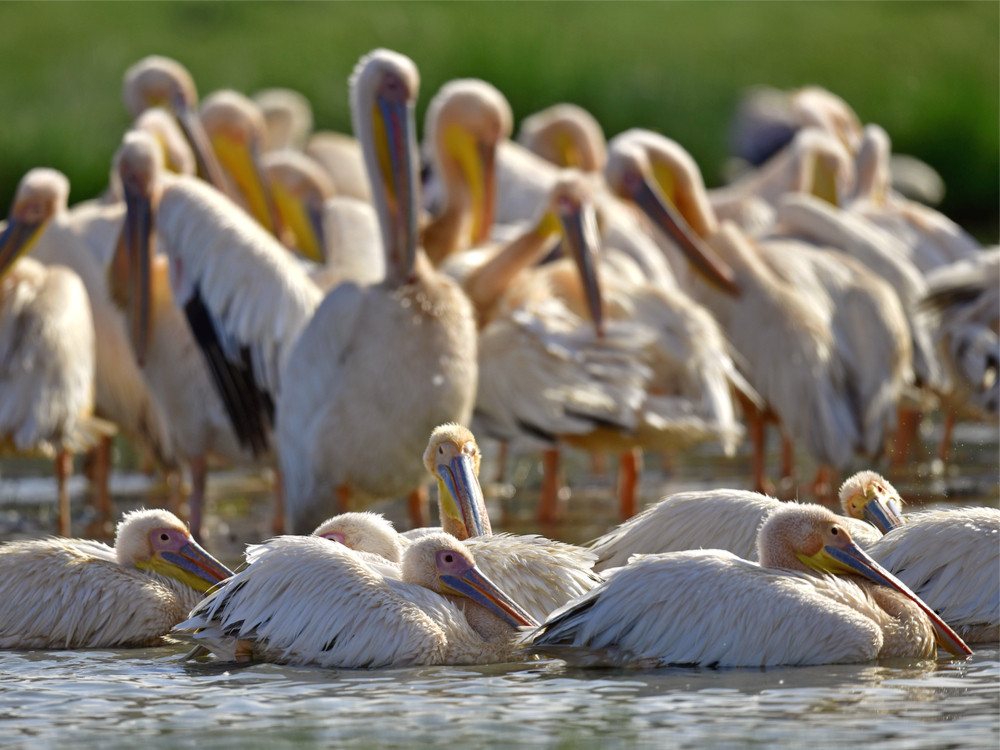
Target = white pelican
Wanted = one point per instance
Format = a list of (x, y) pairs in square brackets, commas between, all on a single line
[(233, 292), (949, 557), (288, 117), (157, 81), (383, 364), (340, 155), (76, 593), (566, 135), (84, 240), (711, 608), (365, 532), (729, 519), (47, 348), (845, 330), (235, 127), (443, 611)]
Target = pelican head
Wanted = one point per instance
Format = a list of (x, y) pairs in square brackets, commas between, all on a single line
[(443, 564), (363, 532), (824, 168), (453, 456), (466, 120), (300, 187), (813, 538), (288, 117), (814, 106), (157, 541), (661, 178), (566, 135), (40, 195), (177, 154), (157, 81), (235, 127), (384, 88), (868, 496), (139, 162)]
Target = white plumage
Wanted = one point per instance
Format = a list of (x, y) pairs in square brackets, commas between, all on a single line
[(75, 593), (271, 611)]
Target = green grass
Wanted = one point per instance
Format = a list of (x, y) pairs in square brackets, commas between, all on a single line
[(929, 72)]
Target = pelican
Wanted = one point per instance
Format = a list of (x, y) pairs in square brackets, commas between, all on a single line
[(386, 363), (76, 593), (340, 155), (364, 532), (949, 557), (288, 118), (443, 611), (566, 135), (857, 366), (47, 347), (157, 81), (729, 519), (222, 303), (235, 127), (711, 608)]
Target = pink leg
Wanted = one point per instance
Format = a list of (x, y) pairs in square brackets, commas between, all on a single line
[(548, 503), (629, 470), (417, 503), (63, 469), (278, 519), (199, 477)]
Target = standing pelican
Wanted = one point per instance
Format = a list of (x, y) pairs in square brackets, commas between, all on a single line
[(84, 240), (47, 348), (728, 520), (382, 365), (220, 284), (949, 557), (75, 593), (711, 608), (443, 611)]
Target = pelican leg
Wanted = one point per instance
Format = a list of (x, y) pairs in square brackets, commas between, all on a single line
[(907, 430), (548, 503), (629, 470), (501, 461), (944, 449), (278, 519), (63, 470), (101, 527), (758, 439), (418, 502), (343, 498), (199, 477)]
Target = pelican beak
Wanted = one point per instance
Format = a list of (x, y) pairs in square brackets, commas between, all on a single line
[(240, 160), (662, 213), (462, 496), (16, 240), (579, 228), (194, 131), (851, 559), (191, 565), (476, 586), (824, 181), (488, 194), (137, 266), (305, 220), (395, 145), (883, 510)]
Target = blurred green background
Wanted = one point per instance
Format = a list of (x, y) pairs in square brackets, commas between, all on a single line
[(929, 72)]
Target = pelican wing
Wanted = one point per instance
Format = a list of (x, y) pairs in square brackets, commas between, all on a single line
[(305, 600), (542, 573), (707, 608), (61, 593), (951, 559), (543, 372), (246, 299)]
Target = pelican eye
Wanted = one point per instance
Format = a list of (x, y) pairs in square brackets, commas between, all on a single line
[(164, 536), (449, 558), (441, 449)]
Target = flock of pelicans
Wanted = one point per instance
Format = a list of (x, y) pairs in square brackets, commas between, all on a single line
[(236, 294)]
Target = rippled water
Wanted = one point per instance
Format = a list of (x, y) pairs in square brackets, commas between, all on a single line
[(105, 698)]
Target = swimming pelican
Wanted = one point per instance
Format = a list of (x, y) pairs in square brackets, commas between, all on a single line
[(949, 557), (221, 304), (711, 608), (84, 240), (364, 532), (76, 593), (729, 519), (382, 364), (443, 611)]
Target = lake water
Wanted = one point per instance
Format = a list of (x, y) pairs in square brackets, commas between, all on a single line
[(106, 698)]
